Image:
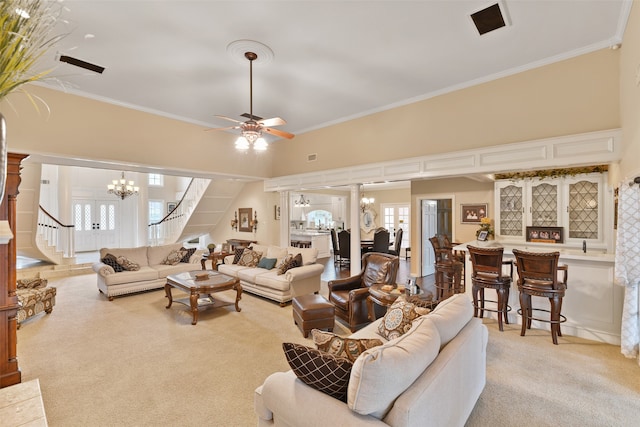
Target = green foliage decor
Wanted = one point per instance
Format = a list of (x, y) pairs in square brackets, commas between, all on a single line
[(26, 27), (552, 173)]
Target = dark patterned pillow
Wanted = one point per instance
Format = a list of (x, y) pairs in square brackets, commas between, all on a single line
[(322, 371), (112, 262), (250, 258), (127, 264), (238, 255), (399, 317), (188, 255), (174, 257), (292, 262), (349, 348)]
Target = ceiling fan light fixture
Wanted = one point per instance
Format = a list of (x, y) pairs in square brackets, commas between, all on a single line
[(260, 144), (242, 143)]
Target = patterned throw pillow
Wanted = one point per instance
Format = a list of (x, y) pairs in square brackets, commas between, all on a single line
[(128, 264), (237, 256), (349, 348), (322, 371), (250, 258), (187, 256), (174, 257), (293, 262), (112, 262), (398, 318)]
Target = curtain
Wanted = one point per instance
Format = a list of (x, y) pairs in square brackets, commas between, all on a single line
[(627, 267)]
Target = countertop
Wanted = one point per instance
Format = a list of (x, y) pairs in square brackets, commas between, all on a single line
[(566, 254), (309, 233)]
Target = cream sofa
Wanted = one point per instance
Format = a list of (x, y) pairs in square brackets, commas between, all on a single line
[(430, 376), (268, 283), (151, 275)]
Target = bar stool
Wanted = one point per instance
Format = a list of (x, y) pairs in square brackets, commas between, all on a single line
[(538, 276), (487, 273), (448, 271), (304, 244)]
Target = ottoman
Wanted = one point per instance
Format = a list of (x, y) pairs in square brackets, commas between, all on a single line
[(312, 311)]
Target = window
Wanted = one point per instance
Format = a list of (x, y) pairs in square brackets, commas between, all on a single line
[(396, 217), (156, 180), (156, 210)]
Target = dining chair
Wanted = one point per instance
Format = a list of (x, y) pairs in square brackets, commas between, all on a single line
[(344, 247), (334, 244), (381, 241), (397, 243)]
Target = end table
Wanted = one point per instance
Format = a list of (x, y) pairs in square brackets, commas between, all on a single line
[(214, 257)]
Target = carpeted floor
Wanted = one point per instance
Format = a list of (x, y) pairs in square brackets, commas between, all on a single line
[(131, 362)]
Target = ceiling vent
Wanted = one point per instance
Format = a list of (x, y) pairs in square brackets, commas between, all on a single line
[(490, 18), (80, 63)]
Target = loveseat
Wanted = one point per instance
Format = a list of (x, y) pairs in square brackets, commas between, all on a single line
[(148, 267), (431, 375), (267, 282)]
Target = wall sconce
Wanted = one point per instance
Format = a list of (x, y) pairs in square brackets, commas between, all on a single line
[(254, 222), (234, 221)]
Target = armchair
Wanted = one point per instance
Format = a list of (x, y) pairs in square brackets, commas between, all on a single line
[(349, 296)]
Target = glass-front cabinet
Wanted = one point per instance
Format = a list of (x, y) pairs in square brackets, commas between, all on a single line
[(573, 203)]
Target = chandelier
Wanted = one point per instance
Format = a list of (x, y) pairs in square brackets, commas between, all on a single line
[(302, 202), (366, 202), (121, 188)]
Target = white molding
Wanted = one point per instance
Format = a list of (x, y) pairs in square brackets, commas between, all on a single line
[(599, 147)]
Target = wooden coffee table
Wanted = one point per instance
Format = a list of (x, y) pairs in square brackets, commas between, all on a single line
[(387, 298), (200, 290)]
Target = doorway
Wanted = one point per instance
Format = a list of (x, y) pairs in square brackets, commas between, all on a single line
[(95, 224), (437, 219)]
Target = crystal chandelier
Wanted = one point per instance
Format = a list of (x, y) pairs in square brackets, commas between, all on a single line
[(121, 188), (302, 202), (366, 202)]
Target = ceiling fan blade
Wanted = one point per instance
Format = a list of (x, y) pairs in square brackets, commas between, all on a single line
[(227, 118), (280, 133), (225, 128), (275, 121)]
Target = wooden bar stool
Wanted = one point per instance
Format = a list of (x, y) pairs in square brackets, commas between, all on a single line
[(448, 271), (538, 276), (487, 273)]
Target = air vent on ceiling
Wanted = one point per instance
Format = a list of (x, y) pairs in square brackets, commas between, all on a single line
[(312, 157), (82, 64), (490, 18)]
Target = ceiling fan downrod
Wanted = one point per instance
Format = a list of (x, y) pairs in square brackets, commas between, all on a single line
[(251, 56)]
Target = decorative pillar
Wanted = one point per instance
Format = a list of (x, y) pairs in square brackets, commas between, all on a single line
[(356, 250), (9, 371)]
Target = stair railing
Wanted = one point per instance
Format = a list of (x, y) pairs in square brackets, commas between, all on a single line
[(56, 236), (169, 228)]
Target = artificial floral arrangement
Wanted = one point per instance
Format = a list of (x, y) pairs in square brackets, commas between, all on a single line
[(485, 225), (211, 247)]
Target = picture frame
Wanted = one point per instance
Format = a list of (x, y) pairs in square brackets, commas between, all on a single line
[(482, 236), (545, 234), (276, 212), (244, 220), (225, 248), (171, 206), (473, 213)]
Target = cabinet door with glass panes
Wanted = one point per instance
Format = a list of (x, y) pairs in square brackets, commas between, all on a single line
[(583, 200), (510, 218)]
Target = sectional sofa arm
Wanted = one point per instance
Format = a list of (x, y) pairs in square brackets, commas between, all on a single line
[(103, 269), (288, 400), (304, 272), (197, 256)]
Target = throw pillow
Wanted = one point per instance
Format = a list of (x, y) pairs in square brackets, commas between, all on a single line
[(112, 262), (127, 264), (250, 258), (293, 262), (349, 348), (398, 318), (174, 257), (188, 255), (282, 267), (267, 263), (322, 371), (237, 256)]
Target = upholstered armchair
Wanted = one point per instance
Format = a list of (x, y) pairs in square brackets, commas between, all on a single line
[(349, 296), (34, 297)]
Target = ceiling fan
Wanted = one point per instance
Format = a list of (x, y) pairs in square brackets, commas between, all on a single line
[(251, 130)]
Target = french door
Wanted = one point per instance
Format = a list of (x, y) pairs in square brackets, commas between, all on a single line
[(429, 228), (95, 224), (396, 216)]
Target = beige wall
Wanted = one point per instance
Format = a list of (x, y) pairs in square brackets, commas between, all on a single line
[(83, 128), (569, 97), (630, 96)]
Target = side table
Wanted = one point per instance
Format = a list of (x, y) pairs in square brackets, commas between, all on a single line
[(214, 257)]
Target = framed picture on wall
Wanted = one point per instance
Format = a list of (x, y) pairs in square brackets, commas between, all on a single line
[(276, 212), (171, 206), (472, 214), (244, 220)]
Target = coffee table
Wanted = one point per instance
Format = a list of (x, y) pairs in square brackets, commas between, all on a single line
[(387, 298), (215, 282)]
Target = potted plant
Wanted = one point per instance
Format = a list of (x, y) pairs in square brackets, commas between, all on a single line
[(485, 225), (211, 247)]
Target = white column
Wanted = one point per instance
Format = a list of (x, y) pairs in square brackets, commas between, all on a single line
[(356, 255)]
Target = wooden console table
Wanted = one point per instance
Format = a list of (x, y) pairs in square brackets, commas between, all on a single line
[(240, 243)]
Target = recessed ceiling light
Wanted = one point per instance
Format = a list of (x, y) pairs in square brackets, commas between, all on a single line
[(89, 36)]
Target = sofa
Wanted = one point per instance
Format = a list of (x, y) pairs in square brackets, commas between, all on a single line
[(282, 288), (431, 375), (34, 297), (148, 267)]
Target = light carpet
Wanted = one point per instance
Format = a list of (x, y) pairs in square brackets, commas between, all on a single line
[(132, 362)]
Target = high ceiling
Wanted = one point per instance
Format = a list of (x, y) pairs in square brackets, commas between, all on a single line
[(332, 60)]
